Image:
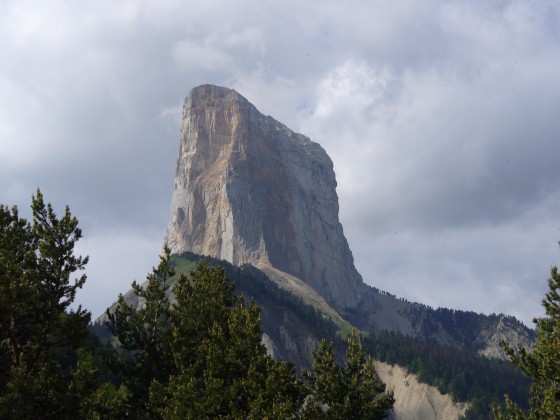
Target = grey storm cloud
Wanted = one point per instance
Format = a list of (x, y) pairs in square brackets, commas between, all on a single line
[(441, 119)]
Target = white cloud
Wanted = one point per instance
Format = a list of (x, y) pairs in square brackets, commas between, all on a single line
[(16, 107), (250, 39), (117, 258), (441, 120), (192, 53), (355, 88), (221, 51)]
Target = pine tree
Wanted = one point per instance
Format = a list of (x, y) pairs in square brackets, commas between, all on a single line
[(199, 357), (366, 397), (39, 334), (145, 333), (543, 363), (325, 383), (353, 392), (222, 369)]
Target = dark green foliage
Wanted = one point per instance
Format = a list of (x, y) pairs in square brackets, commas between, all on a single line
[(352, 392), (218, 366), (467, 377), (39, 335), (463, 327), (223, 367), (210, 361), (146, 334), (542, 364)]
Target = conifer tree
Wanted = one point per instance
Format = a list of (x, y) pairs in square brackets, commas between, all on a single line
[(222, 369), (201, 356), (145, 332), (353, 392), (39, 334), (542, 364)]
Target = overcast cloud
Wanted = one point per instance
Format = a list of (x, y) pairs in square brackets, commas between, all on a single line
[(442, 119)]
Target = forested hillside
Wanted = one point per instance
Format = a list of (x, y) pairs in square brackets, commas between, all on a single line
[(464, 374)]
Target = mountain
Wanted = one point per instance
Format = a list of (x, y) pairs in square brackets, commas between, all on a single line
[(260, 200), (249, 190)]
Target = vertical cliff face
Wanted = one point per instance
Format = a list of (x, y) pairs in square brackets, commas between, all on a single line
[(249, 190)]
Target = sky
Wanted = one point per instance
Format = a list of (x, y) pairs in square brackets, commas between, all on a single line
[(442, 119)]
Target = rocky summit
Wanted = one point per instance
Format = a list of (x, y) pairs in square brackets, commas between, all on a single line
[(249, 190)]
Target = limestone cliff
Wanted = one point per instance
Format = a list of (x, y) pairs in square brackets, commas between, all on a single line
[(249, 190)]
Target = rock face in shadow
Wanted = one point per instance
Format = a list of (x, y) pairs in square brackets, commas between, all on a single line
[(249, 190)]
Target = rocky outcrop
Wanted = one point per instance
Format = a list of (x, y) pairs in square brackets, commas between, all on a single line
[(249, 190), (507, 329)]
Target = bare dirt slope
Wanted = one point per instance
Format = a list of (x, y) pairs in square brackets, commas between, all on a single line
[(417, 401)]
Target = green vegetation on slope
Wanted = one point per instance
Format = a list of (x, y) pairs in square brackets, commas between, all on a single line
[(463, 327), (182, 265), (463, 374)]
